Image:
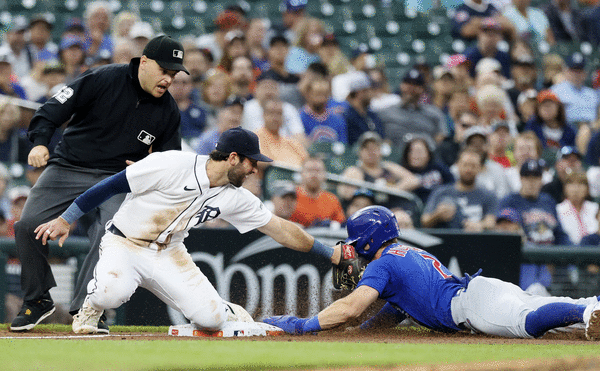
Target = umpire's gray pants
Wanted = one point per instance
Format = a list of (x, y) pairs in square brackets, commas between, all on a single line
[(57, 187)]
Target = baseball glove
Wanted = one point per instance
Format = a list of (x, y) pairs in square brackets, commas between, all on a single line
[(350, 269)]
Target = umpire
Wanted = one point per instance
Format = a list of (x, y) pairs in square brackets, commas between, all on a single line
[(116, 113)]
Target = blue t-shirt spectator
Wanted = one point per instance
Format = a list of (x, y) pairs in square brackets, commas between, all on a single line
[(357, 124), (474, 55), (466, 11), (325, 127), (193, 121)]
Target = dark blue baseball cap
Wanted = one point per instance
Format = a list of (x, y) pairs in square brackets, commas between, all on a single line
[(566, 151), (532, 168), (243, 142), (509, 214), (415, 77), (293, 5), (576, 61)]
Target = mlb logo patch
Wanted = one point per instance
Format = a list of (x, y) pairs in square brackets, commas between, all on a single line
[(178, 53), (146, 137)]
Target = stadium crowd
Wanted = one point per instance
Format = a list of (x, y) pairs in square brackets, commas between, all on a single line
[(490, 139)]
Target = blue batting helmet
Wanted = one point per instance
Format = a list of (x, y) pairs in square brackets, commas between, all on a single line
[(373, 225)]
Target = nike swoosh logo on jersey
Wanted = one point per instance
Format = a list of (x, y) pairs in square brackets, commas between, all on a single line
[(185, 188)]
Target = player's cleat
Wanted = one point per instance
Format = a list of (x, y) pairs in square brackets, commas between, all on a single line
[(591, 317), (102, 326), (237, 313), (33, 312), (86, 320)]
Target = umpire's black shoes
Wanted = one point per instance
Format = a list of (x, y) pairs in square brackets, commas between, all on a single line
[(102, 326), (33, 312)]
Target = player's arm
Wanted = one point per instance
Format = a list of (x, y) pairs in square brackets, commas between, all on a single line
[(338, 313), (86, 202), (387, 317), (291, 236)]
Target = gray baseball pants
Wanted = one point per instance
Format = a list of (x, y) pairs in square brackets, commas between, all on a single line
[(57, 187)]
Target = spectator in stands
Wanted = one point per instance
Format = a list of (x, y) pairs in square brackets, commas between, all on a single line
[(283, 198), (581, 102), (226, 21), (500, 139), (98, 18), (216, 88), (287, 81), (530, 22), (361, 198), (53, 78), (448, 150), (14, 145), (121, 25), (356, 111), (594, 238), (198, 62), (444, 86), (235, 46), (242, 77), (293, 12), (140, 34), (229, 117), (461, 70), (125, 51), (539, 220), (72, 55), (411, 116), (508, 220), (576, 214), (255, 40), (590, 24), (40, 43), (526, 146), (418, 158), (381, 97), (491, 174), (553, 68), (321, 124), (193, 117), (469, 19), (309, 36), (494, 106), (370, 167), (549, 123), (277, 147), (361, 60), (524, 76), (568, 160), (565, 21), (460, 101), (316, 206), (527, 107), (462, 205), (8, 85), (14, 47), (332, 56), (268, 89), (487, 47), (74, 26)]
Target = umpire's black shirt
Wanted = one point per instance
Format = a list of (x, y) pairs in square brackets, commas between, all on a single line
[(112, 119)]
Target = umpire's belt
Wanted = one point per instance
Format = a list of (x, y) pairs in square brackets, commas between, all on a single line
[(114, 230)]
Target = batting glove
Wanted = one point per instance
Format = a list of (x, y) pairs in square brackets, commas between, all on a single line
[(294, 325)]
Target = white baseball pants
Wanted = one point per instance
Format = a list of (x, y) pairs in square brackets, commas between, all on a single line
[(170, 274)]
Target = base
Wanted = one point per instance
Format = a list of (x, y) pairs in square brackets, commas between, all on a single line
[(230, 329)]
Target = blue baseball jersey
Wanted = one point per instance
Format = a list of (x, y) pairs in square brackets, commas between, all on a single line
[(415, 282)]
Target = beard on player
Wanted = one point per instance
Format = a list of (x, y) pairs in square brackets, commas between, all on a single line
[(237, 175)]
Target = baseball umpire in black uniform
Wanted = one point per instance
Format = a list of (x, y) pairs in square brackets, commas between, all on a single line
[(117, 113)]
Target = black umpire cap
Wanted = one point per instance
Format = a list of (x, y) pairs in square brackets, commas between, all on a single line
[(168, 53)]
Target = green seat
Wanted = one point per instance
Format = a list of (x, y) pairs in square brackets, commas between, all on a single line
[(273, 174)]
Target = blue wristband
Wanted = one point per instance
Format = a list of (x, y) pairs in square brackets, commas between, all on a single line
[(72, 213), (320, 249), (311, 325)]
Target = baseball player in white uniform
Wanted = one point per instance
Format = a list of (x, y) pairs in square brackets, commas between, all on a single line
[(169, 193)]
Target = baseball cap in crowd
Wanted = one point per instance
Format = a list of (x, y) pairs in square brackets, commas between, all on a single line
[(279, 38), (526, 95), (456, 60), (167, 52), (234, 100), (74, 24), (575, 61), (243, 142), (545, 95), (490, 24), (71, 40), (141, 29), (234, 35), (226, 20), (532, 168), (500, 124), (283, 188), (368, 136), (523, 60), (293, 5), (475, 131), (441, 71), (414, 76), (46, 18), (509, 214), (567, 151), (359, 81), (363, 192), (18, 24), (487, 65), (16, 193)]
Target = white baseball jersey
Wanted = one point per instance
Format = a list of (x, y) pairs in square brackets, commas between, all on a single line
[(170, 193)]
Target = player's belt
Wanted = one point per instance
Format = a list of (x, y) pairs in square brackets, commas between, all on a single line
[(114, 230)]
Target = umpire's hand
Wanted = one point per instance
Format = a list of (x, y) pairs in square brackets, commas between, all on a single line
[(52, 230), (38, 156)]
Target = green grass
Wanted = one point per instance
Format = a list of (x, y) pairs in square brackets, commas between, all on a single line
[(113, 329), (220, 354)]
